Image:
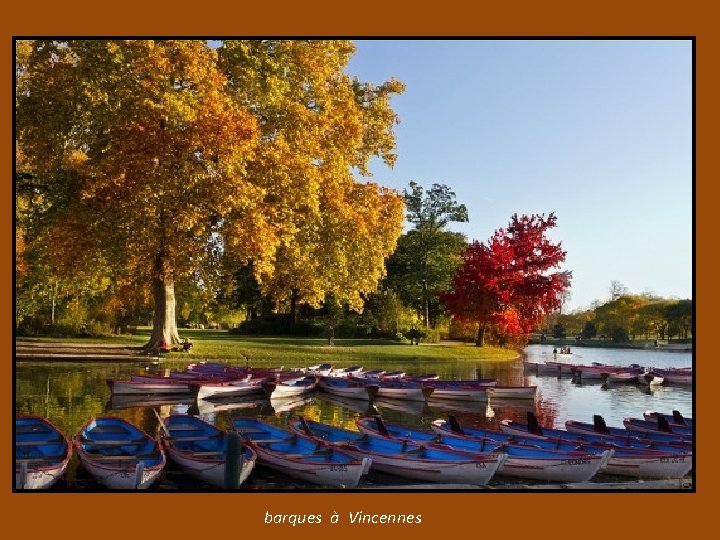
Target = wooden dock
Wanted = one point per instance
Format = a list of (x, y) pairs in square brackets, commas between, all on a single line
[(37, 351)]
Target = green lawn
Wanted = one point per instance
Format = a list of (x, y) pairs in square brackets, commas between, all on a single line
[(296, 352)]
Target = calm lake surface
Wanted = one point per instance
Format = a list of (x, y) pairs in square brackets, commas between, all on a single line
[(70, 394)]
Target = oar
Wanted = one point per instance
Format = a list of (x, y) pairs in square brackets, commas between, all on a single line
[(162, 424), (305, 426), (381, 426)]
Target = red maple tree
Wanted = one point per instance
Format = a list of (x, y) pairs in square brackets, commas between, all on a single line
[(506, 283)]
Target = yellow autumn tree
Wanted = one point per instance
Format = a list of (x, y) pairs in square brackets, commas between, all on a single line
[(163, 156)]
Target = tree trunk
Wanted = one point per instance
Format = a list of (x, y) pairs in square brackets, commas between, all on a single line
[(293, 306), (164, 323), (480, 340)]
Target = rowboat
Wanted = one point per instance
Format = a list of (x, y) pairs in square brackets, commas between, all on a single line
[(598, 427), (556, 368), (595, 372), (146, 387), (42, 453), (417, 378), (512, 392), (118, 454), (202, 450), (392, 375), (301, 456), (351, 371), (293, 387), (459, 392), (657, 462), (233, 389), (322, 370), (348, 387), (372, 374), (180, 377), (408, 391), (406, 459), (525, 461), (658, 425), (675, 375), (614, 436), (631, 457), (674, 418), (623, 376)]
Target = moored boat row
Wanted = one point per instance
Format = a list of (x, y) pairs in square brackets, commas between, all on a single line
[(633, 373), (122, 456)]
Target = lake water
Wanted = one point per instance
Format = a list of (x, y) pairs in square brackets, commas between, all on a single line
[(70, 394)]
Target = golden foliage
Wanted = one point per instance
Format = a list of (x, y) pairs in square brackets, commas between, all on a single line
[(173, 149)]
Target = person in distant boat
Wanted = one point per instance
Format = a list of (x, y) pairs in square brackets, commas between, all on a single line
[(555, 351), (187, 345)]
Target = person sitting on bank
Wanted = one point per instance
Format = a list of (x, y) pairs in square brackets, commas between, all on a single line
[(164, 347), (187, 345)]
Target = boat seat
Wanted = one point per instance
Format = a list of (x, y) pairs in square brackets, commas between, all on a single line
[(112, 443), (32, 429), (192, 438), (38, 442), (57, 457), (134, 457)]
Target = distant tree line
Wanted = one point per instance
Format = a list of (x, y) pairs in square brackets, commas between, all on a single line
[(626, 318)]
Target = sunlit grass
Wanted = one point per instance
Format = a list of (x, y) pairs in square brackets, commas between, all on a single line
[(296, 352)]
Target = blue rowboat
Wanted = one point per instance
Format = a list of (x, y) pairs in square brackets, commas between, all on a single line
[(201, 449), (673, 418), (42, 453), (658, 425), (300, 456), (118, 454), (525, 461), (532, 429), (598, 427), (631, 457), (409, 460)]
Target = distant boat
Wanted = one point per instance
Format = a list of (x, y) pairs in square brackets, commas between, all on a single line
[(42, 453), (399, 389), (201, 449), (235, 389), (674, 375), (351, 371), (293, 387), (118, 454), (349, 387)]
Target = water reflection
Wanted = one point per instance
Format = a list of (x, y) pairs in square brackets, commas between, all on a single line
[(70, 394)]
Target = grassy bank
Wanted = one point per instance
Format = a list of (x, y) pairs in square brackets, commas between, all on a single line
[(295, 352)]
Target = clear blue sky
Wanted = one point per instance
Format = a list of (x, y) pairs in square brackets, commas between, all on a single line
[(599, 132)]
